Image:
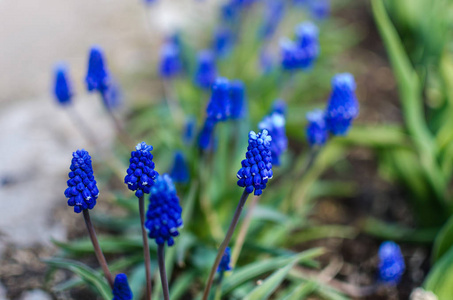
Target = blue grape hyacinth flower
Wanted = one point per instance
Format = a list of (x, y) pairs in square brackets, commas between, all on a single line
[(274, 12), (206, 72), (223, 41), (82, 190), (63, 90), (343, 106), (141, 174), (170, 61), (98, 77), (219, 106), (275, 125), (279, 106), (180, 171), (163, 218), (391, 263), (238, 101), (121, 289), (302, 53), (225, 263), (257, 167), (317, 133), (206, 136), (320, 9)]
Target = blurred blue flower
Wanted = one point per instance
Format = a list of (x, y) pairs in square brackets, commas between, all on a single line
[(170, 60), (63, 88), (206, 72), (238, 101), (225, 264), (206, 136), (141, 174), (317, 133), (112, 97), (320, 9), (189, 130), (230, 12), (121, 289), (223, 41), (257, 167), (180, 171), (302, 53), (82, 190), (274, 12), (275, 125), (98, 76), (219, 106), (391, 263), (343, 106), (279, 106), (163, 218)]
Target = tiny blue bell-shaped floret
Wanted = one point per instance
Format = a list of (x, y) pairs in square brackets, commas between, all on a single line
[(82, 190), (343, 106), (163, 218), (257, 167), (206, 72), (141, 174), (391, 263), (121, 289), (225, 262), (275, 125), (180, 171)]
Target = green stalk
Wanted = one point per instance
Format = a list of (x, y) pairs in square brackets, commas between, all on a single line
[(141, 206)]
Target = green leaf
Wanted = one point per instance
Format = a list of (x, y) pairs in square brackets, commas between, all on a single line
[(91, 276), (264, 290), (443, 241), (321, 232), (440, 278), (181, 285), (250, 271), (302, 291)]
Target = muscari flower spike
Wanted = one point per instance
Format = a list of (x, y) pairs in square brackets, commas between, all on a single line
[(343, 106), (302, 53), (170, 61), (63, 88), (320, 9), (180, 171), (391, 263), (98, 77), (141, 174), (206, 136), (275, 125), (317, 133), (223, 41), (225, 264), (82, 190), (121, 289), (257, 167), (163, 218), (206, 71), (275, 10), (219, 106), (237, 97)]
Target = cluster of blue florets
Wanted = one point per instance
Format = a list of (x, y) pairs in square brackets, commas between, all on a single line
[(225, 262), (206, 72), (300, 54), (170, 60), (121, 289), (391, 263), (98, 77), (180, 171), (317, 133), (141, 174), (275, 125), (257, 167), (341, 110), (163, 218), (82, 190), (63, 87), (227, 102)]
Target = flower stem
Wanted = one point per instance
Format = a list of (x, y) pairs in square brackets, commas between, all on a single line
[(243, 231), (141, 206), (163, 272), (97, 248), (225, 242)]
